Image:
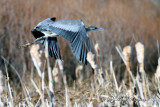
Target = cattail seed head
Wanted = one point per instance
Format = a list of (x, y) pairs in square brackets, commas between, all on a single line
[(36, 57), (140, 52), (90, 59), (60, 64), (55, 74), (36, 54), (126, 53), (140, 55), (78, 69), (97, 49)]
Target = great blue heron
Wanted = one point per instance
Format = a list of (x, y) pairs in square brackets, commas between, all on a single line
[(73, 30)]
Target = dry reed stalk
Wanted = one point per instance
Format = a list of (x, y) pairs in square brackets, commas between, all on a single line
[(125, 62), (90, 104), (23, 85), (11, 102), (99, 59), (127, 53), (52, 100), (107, 75), (36, 87), (1, 82), (61, 76), (43, 86), (157, 74), (140, 57), (67, 102), (1, 87), (36, 57), (139, 89), (113, 74), (147, 86), (67, 97)]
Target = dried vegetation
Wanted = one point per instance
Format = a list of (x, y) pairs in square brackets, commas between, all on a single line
[(114, 77)]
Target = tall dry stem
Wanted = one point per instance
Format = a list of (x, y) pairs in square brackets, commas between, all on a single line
[(127, 53), (1, 82), (52, 99), (36, 58), (157, 74), (113, 74), (125, 62), (140, 57)]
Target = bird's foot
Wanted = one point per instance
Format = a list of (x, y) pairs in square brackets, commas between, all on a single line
[(25, 45)]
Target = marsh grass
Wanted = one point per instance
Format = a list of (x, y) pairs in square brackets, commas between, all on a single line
[(117, 76), (95, 91)]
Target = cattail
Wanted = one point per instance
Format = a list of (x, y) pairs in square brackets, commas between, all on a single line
[(78, 73), (140, 55), (46, 53), (36, 54), (60, 64), (157, 74), (98, 53), (90, 59), (126, 53), (78, 69), (36, 57), (55, 74), (97, 49)]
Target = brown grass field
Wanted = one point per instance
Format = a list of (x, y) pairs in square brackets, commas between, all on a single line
[(124, 67)]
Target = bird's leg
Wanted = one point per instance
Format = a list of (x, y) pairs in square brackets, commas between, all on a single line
[(29, 44)]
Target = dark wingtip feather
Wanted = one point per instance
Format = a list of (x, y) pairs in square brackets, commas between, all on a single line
[(53, 18)]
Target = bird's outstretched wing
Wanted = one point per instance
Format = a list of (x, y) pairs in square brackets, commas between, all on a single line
[(53, 48), (74, 31)]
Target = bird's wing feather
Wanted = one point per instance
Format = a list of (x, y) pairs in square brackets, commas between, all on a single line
[(53, 48), (74, 31)]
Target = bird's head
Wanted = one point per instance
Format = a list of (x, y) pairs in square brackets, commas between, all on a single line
[(93, 28), (37, 31)]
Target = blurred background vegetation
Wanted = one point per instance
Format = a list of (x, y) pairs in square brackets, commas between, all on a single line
[(125, 22)]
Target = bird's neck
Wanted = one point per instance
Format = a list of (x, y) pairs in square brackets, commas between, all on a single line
[(87, 30)]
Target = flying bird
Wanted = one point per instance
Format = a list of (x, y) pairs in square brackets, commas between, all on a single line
[(72, 30)]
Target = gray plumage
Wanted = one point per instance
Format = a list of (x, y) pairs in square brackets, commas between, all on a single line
[(72, 30)]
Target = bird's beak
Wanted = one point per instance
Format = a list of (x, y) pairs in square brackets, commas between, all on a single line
[(100, 29)]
